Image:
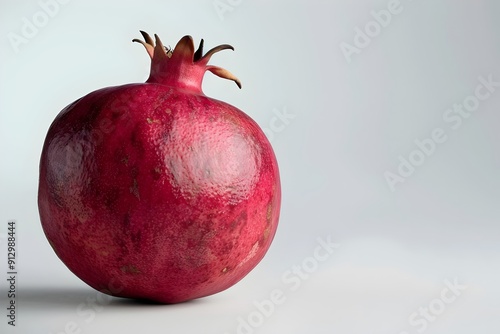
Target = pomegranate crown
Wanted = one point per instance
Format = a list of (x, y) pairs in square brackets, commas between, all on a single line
[(182, 66)]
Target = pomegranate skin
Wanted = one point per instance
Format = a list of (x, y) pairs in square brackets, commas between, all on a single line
[(156, 192)]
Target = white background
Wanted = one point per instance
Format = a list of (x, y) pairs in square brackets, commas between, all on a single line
[(353, 119)]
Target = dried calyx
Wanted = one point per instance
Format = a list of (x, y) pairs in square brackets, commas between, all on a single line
[(182, 66)]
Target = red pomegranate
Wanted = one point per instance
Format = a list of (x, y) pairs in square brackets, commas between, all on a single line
[(155, 191)]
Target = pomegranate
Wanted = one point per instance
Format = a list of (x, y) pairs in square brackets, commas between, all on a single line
[(155, 191)]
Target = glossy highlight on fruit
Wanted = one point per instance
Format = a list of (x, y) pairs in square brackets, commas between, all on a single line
[(155, 191)]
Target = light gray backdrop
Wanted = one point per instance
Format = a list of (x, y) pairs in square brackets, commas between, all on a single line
[(384, 116)]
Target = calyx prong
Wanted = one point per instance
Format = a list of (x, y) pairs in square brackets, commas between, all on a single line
[(225, 74), (199, 53)]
